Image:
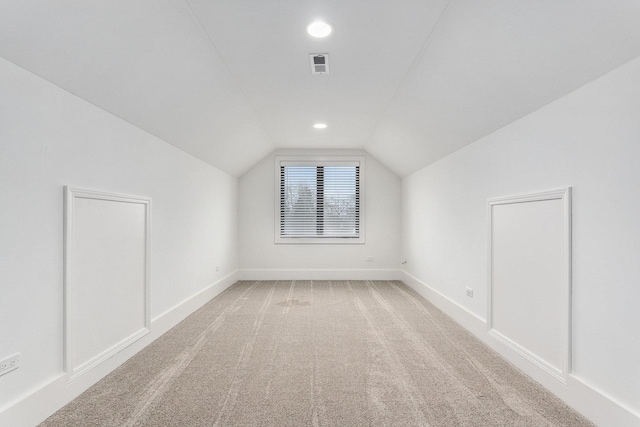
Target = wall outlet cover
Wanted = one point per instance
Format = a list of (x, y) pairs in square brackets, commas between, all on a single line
[(9, 364)]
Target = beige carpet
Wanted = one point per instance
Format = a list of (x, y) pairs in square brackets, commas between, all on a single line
[(340, 353)]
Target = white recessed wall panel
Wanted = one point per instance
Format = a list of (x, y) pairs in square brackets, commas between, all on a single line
[(528, 277), (106, 290)]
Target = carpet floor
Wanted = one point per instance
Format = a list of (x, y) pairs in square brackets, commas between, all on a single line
[(314, 353)]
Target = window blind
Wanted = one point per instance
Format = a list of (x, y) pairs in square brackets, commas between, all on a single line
[(320, 200)]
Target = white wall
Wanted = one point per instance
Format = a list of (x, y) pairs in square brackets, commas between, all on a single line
[(261, 257), (50, 138), (589, 140)]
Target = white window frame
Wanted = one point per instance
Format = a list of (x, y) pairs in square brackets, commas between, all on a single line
[(320, 161)]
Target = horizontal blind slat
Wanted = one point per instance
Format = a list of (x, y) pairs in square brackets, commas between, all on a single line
[(319, 200)]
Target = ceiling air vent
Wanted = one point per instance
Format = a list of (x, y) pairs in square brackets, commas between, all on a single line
[(319, 63)]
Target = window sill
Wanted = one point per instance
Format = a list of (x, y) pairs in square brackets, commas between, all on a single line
[(319, 240)]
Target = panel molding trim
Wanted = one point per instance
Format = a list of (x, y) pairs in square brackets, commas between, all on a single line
[(73, 197), (560, 373)]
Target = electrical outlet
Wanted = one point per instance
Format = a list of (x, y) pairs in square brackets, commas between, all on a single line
[(369, 259), (217, 268), (470, 292), (9, 364)]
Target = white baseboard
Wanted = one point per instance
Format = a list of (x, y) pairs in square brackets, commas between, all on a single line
[(179, 312), (265, 274), (601, 409), (461, 315), (38, 404)]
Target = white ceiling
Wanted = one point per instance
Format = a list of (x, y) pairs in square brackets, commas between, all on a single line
[(229, 80)]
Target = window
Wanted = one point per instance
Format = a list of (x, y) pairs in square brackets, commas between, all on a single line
[(319, 201)]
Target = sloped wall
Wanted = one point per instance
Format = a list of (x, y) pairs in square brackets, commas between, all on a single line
[(590, 141), (50, 138)]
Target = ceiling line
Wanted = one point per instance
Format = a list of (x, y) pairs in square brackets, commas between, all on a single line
[(198, 23), (420, 53)]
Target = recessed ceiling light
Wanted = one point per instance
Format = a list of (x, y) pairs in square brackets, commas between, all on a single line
[(319, 29), (320, 126)]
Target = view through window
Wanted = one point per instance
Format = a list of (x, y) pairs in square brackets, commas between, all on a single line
[(320, 200)]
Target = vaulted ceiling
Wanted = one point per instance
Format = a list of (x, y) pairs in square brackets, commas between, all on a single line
[(230, 81)]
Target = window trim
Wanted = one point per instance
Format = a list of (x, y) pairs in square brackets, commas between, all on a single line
[(319, 161)]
